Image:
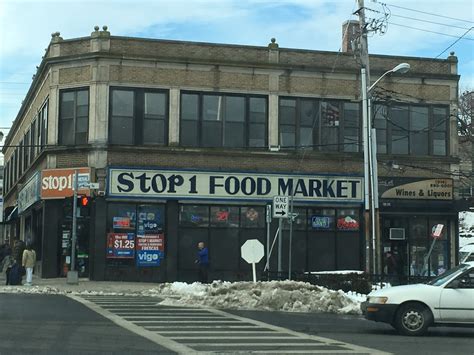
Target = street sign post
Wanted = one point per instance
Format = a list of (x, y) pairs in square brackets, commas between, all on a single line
[(280, 211), (252, 252), (436, 232)]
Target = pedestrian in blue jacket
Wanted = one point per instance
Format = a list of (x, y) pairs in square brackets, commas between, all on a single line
[(203, 262)]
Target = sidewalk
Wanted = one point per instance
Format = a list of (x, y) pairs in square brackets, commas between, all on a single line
[(59, 285)]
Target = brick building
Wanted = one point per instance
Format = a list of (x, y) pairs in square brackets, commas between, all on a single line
[(190, 141)]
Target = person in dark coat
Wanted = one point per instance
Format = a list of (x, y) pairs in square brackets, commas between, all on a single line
[(7, 264), (17, 252), (203, 262)]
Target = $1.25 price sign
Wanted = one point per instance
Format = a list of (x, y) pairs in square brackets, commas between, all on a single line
[(121, 245)]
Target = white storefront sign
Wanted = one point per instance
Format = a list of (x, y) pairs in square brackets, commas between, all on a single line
[(30, 193), (143, 183)]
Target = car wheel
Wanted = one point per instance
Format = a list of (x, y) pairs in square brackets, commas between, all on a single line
[(413, 319)]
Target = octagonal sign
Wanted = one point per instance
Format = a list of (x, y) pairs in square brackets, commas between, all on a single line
[(252, 251)]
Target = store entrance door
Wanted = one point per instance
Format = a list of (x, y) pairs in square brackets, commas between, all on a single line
[(395, 260), (82, 248)]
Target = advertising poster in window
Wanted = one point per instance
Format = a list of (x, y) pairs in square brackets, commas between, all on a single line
[(150, 249), (320, 222), (121, 223), (120, 245)]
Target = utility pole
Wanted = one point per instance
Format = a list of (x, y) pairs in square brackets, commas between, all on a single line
[(367, 138), (72, 275)]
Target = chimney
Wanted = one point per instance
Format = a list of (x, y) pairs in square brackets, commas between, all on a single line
[(350, 32)]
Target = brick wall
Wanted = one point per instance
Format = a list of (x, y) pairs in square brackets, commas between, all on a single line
[(76, 74), (71, 160)]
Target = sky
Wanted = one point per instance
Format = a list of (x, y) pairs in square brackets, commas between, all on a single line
[(26, 27)]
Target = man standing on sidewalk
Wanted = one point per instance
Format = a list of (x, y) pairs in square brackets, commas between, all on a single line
[(203, 261)]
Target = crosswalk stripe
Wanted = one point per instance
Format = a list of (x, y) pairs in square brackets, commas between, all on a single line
[(208, 330), (186, 319), (199, 322), (211, 328), (257, 336)]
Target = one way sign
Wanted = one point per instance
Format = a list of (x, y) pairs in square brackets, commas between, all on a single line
[(280, 206)]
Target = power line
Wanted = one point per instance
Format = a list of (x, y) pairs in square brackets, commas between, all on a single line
[(427, 13), (429, 31), (432, 22), (14, 83), (456, 41)]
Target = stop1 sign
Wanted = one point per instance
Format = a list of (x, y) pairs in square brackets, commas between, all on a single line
[(252, 251)]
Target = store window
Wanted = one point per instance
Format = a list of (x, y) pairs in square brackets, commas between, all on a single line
[(440, 124), (411, 129), (194, 216), (325, 125), (138, 117), (348, 220), (232, 121), (131, 227), (252, 217), (299, 219), (351, 127), (322, 219), (73, 118), (330, 124), (33, 140), (438, 262), (418, 236), (225, 217)]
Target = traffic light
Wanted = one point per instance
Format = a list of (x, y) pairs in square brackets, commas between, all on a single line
[(83, 204)]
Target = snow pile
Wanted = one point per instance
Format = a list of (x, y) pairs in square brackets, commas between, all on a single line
[(290, 296), (336, 272), (47, 290), (287, 296), (466, 228)]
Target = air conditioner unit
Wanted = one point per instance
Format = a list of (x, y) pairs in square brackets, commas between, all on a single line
[(397, 233)]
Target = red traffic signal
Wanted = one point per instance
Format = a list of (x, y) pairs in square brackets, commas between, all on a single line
[(83, 201)]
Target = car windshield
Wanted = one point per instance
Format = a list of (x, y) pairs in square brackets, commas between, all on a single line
[(441, 279)]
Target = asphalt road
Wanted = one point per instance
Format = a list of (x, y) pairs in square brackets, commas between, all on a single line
[(356, 330), (50, 324)]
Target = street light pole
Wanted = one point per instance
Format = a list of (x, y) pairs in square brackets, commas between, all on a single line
[(365, 139), (370, 165)]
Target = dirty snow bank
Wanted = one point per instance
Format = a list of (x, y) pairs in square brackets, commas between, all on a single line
[(466, 228), (290, 296), (287, 296)]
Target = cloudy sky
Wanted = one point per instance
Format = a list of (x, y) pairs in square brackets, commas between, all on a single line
[(411, 30)]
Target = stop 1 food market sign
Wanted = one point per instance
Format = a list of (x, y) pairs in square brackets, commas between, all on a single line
[(150, 249)]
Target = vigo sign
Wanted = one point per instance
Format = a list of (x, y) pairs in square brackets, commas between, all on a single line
[(239, 186), (59, 183)]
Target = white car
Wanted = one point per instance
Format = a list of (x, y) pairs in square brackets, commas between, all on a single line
[(411, 309)]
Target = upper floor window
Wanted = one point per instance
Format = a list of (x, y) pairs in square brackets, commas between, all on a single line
[(232, 121), (326, 125), (73, 118), (138, 116), (411, 129), (42, 125)]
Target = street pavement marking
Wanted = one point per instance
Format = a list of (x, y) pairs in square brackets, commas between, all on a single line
[(257, 337), (210, 330), (154, 337), (200, 318)]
